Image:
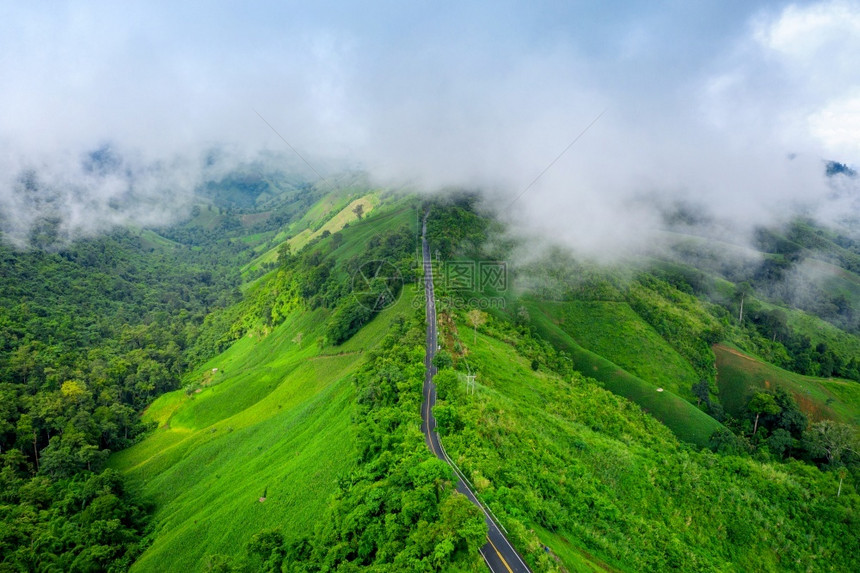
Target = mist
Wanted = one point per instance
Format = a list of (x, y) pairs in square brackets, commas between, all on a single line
[(728, 108)]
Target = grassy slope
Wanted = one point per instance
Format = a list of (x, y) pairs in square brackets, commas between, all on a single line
[(330, 214), (613, 487), (686, 420), (833, 279), (274, 418), (343, 217), (819, 330), (740, 374), (613, 330)]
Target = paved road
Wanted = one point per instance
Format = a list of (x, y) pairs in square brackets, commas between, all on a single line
[(498, 552)]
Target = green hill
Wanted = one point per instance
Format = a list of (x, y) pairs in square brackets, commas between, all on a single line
[(273, 421), (280, 425), (331, 213), (740, 375), (568, 465), (683, 418), (613, 330)]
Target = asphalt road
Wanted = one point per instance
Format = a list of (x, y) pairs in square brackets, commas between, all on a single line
[(498, 552)]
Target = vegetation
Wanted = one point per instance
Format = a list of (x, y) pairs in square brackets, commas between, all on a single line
[(242, 392), (91, 333), (614, 330), (596, 479), (741, 375), (397, 509)]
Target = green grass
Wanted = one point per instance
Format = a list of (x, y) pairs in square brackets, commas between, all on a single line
[(398, 214), (683, 418), (575, 559), (833, 279), (207, 218), (819, 330), (386, 216), (257, 238), (740, 375), (336, 223), (613, 330), (274, 417), (151, 240), (607, 487), (321, 217)]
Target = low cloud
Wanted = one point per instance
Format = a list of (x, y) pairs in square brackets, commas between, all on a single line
[(731, 109)]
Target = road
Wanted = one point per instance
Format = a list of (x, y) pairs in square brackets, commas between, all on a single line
[(498, 552)]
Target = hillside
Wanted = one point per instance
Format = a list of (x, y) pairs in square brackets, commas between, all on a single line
[(688, 422), (621, 418), (272, 422), (740, 375), (607, 488), (613, 330)]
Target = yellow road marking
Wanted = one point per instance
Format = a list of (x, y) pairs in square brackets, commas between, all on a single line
[(505, 563)]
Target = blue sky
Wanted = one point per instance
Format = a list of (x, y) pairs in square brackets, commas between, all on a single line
[(704, 100)]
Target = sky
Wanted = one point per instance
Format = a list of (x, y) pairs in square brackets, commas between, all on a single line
[(729, 107)]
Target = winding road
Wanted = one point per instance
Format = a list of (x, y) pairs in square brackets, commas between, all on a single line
[(498, 552)]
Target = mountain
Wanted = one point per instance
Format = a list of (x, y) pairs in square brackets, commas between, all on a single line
[(242, 391)]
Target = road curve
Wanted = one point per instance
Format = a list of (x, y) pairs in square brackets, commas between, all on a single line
[(498, 552)]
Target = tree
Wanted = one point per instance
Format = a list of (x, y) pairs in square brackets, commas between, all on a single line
[(702, 392), (443, 360), (762, 403), (832, 440), (790, 418), (742, 291), (284, 253), (359, 211), (780, 442), (723, 441), (447, 384), (476, 318)]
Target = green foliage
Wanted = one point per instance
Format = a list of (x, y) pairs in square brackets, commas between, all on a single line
[(680, 319), (87, 523), (762, 403), (594, 470), (443, 360), (741, 375), (447, 383), (454, 226), (89, 335), (349, 317), (688, 422), (613, 330), (396, 510)]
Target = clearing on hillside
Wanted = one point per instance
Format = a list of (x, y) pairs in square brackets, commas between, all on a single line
[(739, 375)]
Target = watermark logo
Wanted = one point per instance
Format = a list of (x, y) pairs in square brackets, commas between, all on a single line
[(469, 284), (460, 275), (377, 285), (477, 276)]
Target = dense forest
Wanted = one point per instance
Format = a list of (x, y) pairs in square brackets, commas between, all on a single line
[(90, 332)]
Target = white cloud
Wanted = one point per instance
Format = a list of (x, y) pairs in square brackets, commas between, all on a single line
[(837, 125), (815, 52), (705, 101)]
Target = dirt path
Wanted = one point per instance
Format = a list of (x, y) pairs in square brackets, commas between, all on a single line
[(735, 352)]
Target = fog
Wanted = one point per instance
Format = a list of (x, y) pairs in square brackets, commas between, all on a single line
[(730, 108)]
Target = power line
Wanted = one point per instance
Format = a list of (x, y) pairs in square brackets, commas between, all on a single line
[(559, 156), (294, 150)]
